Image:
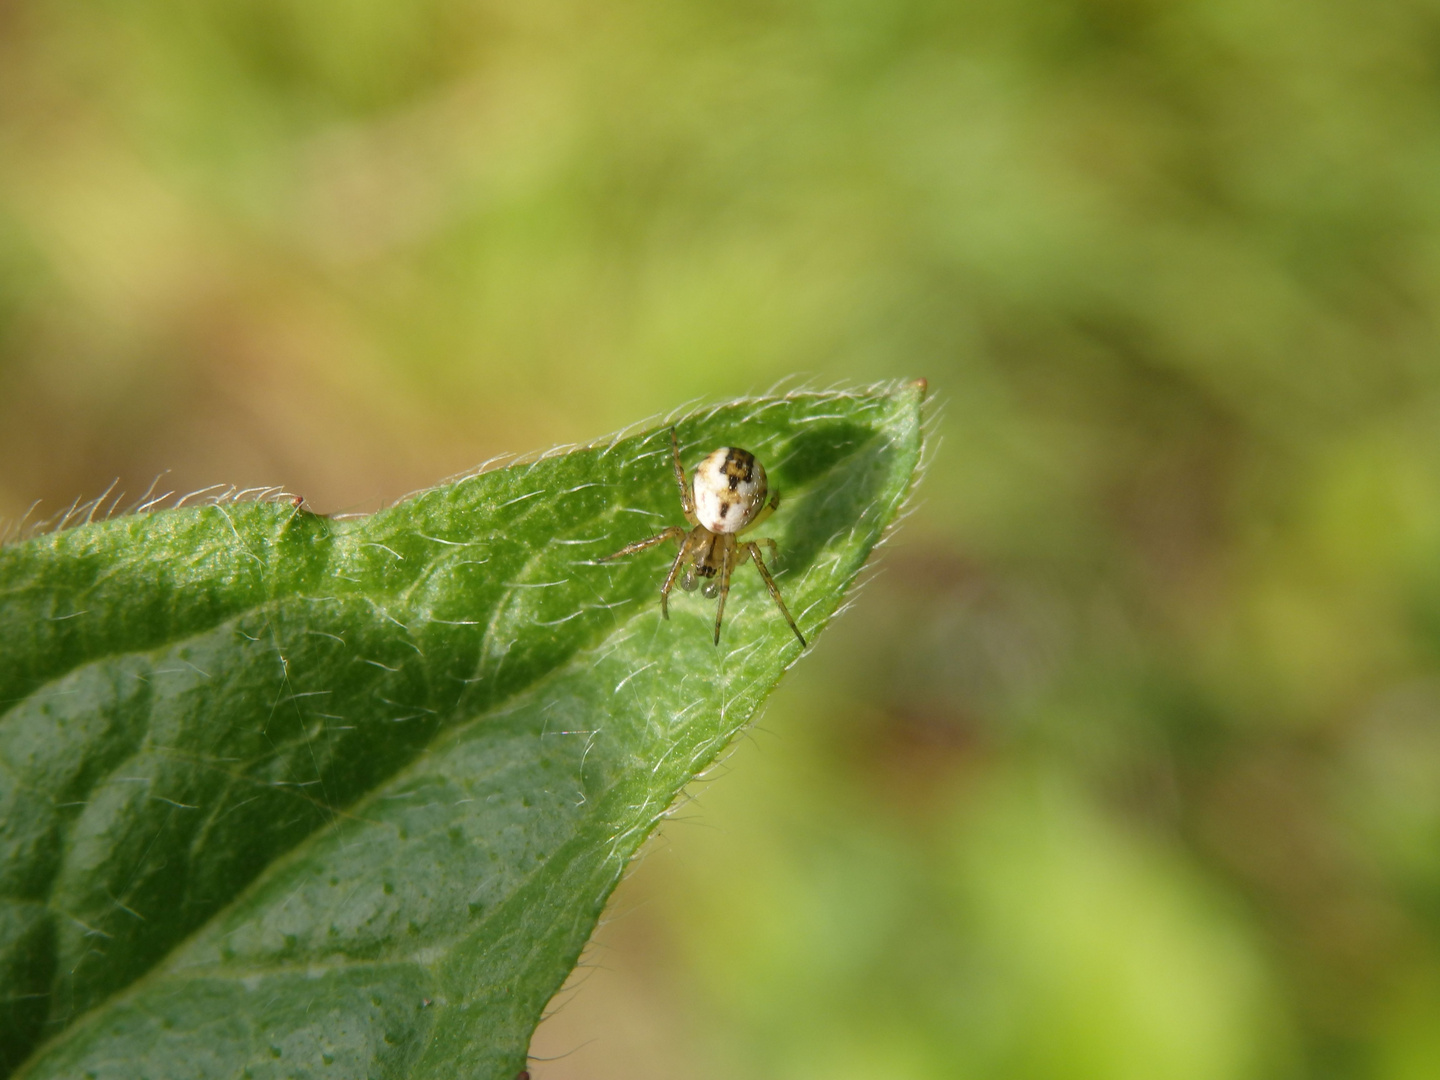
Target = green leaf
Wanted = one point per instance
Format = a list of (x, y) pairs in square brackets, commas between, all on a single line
[(282, 795)]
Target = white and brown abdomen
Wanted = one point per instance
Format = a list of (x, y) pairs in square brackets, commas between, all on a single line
[(730, 490)]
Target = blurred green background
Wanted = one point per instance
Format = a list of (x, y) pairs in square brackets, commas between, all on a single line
[(1126, 763)]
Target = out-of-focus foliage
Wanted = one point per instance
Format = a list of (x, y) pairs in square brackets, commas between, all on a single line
[(1133, 766)]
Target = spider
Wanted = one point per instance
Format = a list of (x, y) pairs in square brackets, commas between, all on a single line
[(726, 497)]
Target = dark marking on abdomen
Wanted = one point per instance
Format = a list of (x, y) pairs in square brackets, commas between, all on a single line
[(739, 466)]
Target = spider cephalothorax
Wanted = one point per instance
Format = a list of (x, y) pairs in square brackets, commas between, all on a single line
[(728, 495)]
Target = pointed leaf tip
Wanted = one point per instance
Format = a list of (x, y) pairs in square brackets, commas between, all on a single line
[(291, 796)]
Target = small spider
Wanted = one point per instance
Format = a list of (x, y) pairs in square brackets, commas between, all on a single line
[(726, 497)]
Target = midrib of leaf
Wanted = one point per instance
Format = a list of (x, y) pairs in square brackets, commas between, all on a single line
[(486, 965)]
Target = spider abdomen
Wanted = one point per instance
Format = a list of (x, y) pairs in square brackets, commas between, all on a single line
[(730, 489)]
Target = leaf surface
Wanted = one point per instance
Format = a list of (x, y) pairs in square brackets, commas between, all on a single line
[(288, 796)]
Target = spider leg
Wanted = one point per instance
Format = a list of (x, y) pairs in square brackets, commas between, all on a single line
[(726, 566), (674, 532), (687, 548), (765, 512), (687, 497), (754, 550)]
